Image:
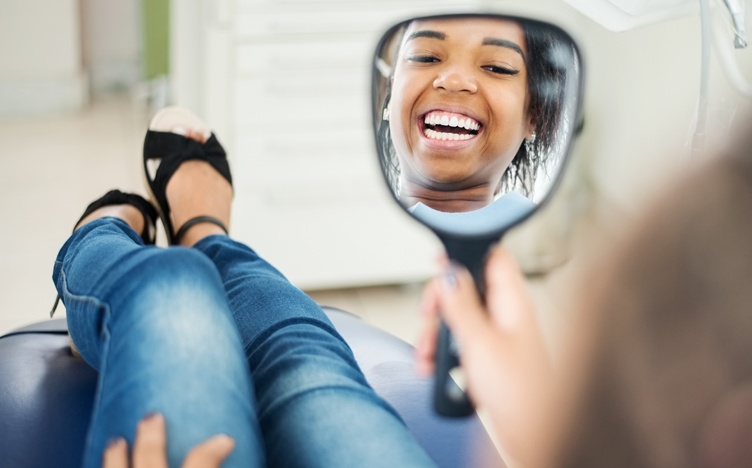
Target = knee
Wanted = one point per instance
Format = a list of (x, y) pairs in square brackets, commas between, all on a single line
[(178, 301), (178, 283), (178, 265)]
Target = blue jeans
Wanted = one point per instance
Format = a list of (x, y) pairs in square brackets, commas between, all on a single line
[(218, 341)]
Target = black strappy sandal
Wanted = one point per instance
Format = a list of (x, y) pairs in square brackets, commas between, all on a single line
[(116, 197), (173, 150)]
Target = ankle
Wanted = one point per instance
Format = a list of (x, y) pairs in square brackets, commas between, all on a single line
[(200, 231), (126, 212)]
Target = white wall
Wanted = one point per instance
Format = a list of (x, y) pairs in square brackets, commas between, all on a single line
[(111, 39), (40, 57)]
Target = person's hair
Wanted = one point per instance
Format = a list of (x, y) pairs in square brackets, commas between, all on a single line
[(670, 376), (546, 48)]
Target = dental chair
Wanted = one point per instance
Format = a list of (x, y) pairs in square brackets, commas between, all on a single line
[(46, 397)]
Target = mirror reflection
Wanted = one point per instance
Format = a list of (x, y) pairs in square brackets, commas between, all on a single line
[(475, 115)]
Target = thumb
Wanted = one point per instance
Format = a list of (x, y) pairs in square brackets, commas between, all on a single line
[(210, 453), (508, 299), (460, 305)]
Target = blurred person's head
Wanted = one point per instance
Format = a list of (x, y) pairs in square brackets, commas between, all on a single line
[(669, 371)]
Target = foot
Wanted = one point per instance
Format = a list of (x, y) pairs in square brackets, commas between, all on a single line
[(197, 189), (127, 212)]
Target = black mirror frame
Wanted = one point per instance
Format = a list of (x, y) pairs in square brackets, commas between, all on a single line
[(469, 250)]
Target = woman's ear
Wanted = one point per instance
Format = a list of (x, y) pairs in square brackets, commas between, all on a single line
[(387, 108)]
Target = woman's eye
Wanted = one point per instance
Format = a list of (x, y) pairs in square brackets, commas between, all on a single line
[(422, 59), (500, 70)]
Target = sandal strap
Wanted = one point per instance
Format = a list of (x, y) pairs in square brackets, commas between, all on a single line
[(197, 220), (116, 197), (174, 150)]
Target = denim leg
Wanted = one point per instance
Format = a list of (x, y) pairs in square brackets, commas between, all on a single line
[(315, 407), (155, 324)]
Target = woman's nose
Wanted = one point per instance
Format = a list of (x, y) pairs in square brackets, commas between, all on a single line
[(455, 81)]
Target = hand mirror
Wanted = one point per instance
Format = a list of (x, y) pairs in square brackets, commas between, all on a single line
[(474, 118)]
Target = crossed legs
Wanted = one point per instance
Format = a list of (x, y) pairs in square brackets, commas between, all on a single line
[(218, 341)]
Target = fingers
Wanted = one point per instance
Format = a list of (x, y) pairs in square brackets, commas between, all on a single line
[(150, 447), (116, 454), (426, 347), (151, 443), (452, 296), (210, 453)]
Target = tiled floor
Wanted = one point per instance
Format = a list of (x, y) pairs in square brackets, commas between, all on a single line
[(51, 168)]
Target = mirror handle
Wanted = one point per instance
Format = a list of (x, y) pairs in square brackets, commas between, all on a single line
[(448, 398)]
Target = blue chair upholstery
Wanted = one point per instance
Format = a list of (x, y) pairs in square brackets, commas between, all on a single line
[(46, 397)]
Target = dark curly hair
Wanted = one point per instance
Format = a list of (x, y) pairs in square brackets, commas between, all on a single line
[(549, 56)]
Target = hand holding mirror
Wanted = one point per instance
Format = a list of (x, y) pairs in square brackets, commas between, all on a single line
[(474, 117)]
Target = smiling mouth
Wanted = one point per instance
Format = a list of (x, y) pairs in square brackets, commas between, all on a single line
[(440, 125)]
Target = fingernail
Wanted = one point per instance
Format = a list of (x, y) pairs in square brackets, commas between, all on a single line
[(450, 277), (114, 441), (150, 415), (180, 131)]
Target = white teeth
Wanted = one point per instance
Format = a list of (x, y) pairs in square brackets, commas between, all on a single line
[(434, 135), (454, 121)]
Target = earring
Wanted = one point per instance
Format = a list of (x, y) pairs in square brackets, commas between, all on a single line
[(385, 115), (529, 144)]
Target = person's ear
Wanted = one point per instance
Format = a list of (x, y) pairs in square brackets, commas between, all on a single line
[(387, 109)]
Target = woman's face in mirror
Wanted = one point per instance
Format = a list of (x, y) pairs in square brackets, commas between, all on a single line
[(458, 112)]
